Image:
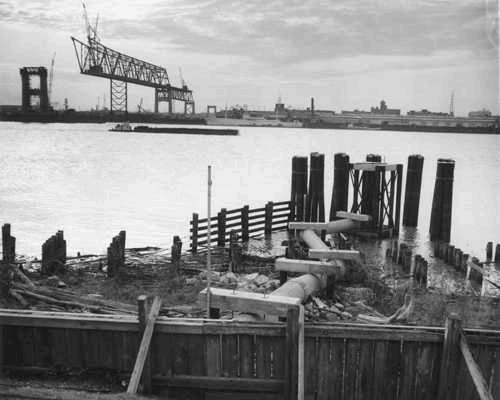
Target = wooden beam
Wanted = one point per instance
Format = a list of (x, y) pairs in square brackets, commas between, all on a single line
[(309, 266), (474, 370), (144, 347), (354, 216), (371, 166), (335, 254), (301, 370), (247, 302), (220, 383), (315, 226)]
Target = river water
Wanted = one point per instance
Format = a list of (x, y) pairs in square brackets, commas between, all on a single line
[(92, 183)]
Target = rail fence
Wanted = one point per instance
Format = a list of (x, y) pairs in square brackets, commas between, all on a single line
[(216, 357), (244, 221)]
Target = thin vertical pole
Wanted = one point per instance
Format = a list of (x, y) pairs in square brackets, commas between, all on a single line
[(209, 229)]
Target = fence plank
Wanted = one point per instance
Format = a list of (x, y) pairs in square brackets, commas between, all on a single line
[(149, 323), (474, 370)]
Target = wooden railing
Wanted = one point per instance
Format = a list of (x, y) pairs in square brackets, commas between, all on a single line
[(244, 221), (342, 361)]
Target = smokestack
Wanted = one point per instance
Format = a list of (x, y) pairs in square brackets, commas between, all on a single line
[(312, 105)]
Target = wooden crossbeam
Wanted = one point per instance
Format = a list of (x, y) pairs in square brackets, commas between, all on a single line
[(315, 226), (307, 266), (144, 347), (371, 166), (247, 302), (354, 216), (335, 254)]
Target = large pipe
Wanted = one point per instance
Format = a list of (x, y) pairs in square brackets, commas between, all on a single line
[(308, 284)]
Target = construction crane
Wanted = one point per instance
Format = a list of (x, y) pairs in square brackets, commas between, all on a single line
[(96, 59), (51, 77)]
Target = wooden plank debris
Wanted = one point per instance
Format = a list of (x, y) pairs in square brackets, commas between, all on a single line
[(309, 266), (247, 302), (354, 216), (315, 226), (144, 347), (335, 254)]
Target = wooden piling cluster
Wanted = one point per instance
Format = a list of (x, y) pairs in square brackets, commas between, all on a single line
[(340, 191), (417, 266), (379, 195), (54, 254), (244, 221), (412, 190), (8, 245), (116, 254), (454, 257), (440, 224)]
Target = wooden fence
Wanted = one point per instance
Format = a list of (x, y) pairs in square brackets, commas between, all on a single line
[(244, 221), (216, 357)]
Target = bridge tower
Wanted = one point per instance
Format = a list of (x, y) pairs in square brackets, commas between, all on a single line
[(28, 91)]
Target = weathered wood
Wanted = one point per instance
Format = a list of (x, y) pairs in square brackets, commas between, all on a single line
[(247, 302), (335, 254), (144, 346), (354, 216), (412, 190), (340, 191), (371, 166), (449, 360), (221, 228), (194, 236), (315, 210), (244, 223), (489, 251), (474, 370), (231, 384), (440, 224), (292, 352), (309, 267), (268, 221)]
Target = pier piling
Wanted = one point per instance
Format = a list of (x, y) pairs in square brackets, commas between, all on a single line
[(412, 190), (316, 200), (299, 187), (440, 225), (340, 192)]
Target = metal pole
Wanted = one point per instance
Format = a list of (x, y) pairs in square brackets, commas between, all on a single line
[(209, 200)]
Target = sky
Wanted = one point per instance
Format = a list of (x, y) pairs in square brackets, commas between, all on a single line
[(346, 54)]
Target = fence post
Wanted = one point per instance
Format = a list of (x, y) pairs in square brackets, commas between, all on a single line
[(294, 367), (234, 251), (244, 223), (221, 227), (268, 221), (449, 361), (144, 306), (194, 234), (489, 251)]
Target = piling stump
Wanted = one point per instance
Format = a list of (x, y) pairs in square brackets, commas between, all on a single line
[(176, 251), (116, 254), (54, 254), (234, 252)]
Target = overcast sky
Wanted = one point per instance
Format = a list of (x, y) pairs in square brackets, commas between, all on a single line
[(345, 53)]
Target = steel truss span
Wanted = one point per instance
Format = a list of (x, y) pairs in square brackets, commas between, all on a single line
[(98, 60)]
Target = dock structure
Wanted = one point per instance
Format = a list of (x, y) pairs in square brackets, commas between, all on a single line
[(376, 188)]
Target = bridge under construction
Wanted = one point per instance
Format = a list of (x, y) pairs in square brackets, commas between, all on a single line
[(98, 60)]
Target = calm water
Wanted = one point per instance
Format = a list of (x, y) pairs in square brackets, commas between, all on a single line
[(92, 183)]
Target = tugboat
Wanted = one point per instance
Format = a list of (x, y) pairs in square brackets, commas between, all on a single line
[(122, 127)]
